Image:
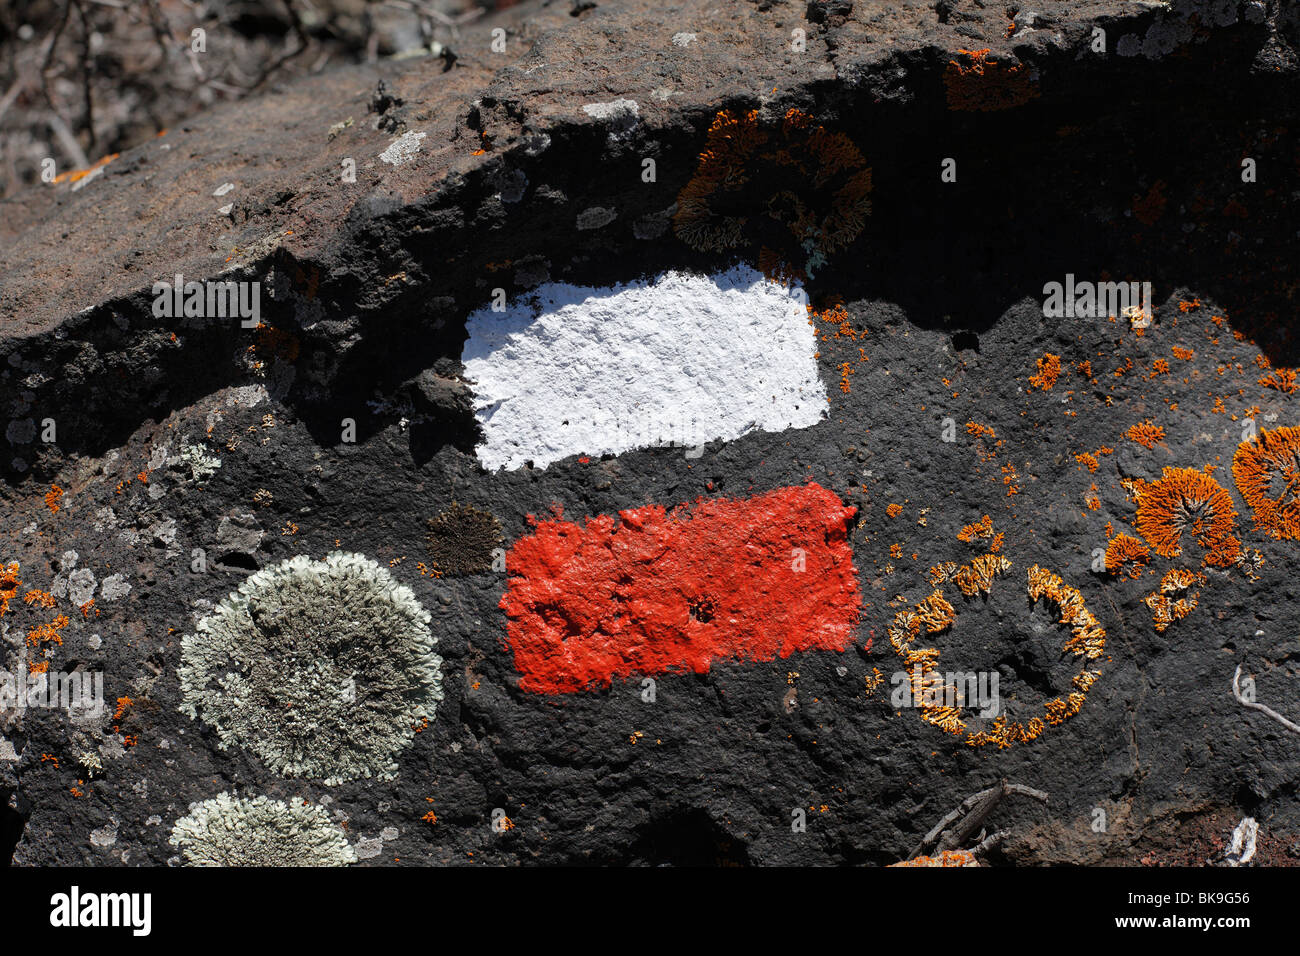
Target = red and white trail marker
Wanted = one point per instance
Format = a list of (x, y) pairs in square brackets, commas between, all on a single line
[(677, 360), (653, 591)]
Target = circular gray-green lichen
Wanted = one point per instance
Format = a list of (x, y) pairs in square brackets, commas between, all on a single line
[(231, 831), (323, 669)]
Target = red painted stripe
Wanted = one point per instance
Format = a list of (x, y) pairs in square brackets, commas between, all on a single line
[(655, 591)]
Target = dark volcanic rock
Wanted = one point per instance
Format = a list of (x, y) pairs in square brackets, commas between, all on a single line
[(188, 454)]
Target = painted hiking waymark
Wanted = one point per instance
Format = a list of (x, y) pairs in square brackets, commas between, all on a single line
[(654, 591), (681, 359)]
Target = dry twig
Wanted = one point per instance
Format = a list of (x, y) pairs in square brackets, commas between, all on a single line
[(1236, 692), (972, 811)]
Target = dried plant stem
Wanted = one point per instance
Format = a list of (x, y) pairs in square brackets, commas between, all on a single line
[(1236, 692), (973, 811)]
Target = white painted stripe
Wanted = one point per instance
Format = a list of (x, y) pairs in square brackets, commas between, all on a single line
[(681, 359)]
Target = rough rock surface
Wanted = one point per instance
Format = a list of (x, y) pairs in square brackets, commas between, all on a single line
[(197, 443)]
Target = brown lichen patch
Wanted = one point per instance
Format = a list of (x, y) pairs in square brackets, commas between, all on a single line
[(980, 83), (276, 343), (1185, 501), (1149, 208), (1267, 473), (462, 540), (796, 188)]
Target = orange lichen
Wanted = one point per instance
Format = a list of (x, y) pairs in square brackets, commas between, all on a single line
[(1185, 355), (42, 598), (944, 858), (894, 510), (943, 572), (935, 613), (47, 633), (1123, 550), (1267, 473), (976, 429), (1165, 608), (123, 704), (1049, 367), (1282, 380), (52, 498), (9, 585), (980, 529), (838, 317), (940, 703), (1184, 501), (984, 84), (1088, 637), (1225, 553), (1146, 433), (1009, 479), (977, 576)]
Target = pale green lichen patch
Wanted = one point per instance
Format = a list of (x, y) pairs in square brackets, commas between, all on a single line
[(232, 831), (322, 669)]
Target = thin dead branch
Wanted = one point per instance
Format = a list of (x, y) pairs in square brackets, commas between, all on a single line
[(962, 823), (1236, 692)]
